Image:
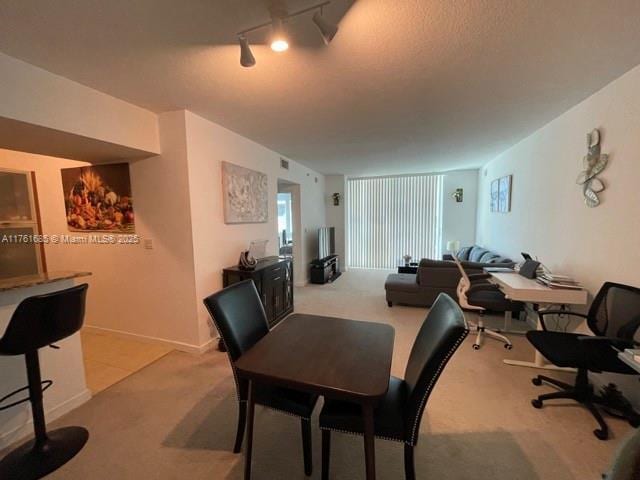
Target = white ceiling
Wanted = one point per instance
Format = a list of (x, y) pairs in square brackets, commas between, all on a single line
[(406, 85)]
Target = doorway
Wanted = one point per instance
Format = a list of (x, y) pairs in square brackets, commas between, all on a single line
[(290, 226)]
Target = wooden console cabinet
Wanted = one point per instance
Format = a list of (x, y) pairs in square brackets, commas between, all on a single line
[(273, 277)]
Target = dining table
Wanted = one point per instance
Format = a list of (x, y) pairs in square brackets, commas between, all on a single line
[(337, 358)]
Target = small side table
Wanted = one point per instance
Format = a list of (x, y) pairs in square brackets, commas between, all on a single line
[(410, 268)]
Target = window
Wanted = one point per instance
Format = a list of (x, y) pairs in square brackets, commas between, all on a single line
[(388, 217), (285, 224), (18, 255)]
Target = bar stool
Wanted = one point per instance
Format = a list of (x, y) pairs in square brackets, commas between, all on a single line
[(38, 322)]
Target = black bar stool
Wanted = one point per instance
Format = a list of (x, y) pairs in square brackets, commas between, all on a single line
[(38, 322)]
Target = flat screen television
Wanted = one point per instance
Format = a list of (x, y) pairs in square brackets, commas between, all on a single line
[(326, 242)]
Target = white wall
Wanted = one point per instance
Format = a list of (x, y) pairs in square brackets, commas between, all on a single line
[(217, 245), (548, 216), (336, 214), (38, 97), (459, 219)]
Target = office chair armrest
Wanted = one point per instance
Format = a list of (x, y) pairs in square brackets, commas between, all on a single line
[(619, 343), (542, 313), (478, 276), (483, 287)]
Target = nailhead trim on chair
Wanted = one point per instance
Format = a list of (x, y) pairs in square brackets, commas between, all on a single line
[(360, 434), (416, 427)]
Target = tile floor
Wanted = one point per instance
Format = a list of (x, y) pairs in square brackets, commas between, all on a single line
[(109, 358)]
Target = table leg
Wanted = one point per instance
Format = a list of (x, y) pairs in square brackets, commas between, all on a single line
[(538, 360), (369, 441), (249, 440)]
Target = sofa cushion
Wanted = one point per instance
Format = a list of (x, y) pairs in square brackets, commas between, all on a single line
[(476, 253), (403, 282), (463, 253), (488, 257)]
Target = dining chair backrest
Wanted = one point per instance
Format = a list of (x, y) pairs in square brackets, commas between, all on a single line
[(615, 312), (441, 334), (42, 320), (239, 317)]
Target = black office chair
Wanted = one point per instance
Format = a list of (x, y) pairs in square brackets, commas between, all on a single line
[(614, 319), (240, 319), (38, 322), (398, 415)]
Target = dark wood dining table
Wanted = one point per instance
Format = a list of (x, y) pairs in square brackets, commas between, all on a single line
[(334, 357)]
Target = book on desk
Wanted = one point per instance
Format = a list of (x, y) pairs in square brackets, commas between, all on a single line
[(552, 280)]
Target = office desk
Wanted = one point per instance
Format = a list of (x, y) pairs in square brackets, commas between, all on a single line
[(516, 287), (626, 358)]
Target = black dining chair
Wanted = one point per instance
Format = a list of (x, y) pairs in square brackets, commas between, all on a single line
[(239, 317), (39, 322), (398, 415), (614, 319)]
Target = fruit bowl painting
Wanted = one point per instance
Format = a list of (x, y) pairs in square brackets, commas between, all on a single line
[(98, 198)]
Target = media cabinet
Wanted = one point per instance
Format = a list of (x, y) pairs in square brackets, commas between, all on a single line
[(325, 270)]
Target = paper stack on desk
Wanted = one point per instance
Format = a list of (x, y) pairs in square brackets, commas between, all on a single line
[(634, 353), (554, 280)]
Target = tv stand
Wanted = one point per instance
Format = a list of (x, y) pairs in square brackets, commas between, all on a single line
[(325, 270)]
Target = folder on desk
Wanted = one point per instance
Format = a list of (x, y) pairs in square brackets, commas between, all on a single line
[(633, 353)]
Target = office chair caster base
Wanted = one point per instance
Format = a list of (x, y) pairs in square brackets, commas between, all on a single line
[(601, 434), (508, 346), (536, 381), (29, 463), (476, 346), (536, 403)]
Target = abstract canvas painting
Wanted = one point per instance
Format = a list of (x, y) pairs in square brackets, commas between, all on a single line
[(504, 194), (495, 185), (501, 194), (246, 195), (98, 198)]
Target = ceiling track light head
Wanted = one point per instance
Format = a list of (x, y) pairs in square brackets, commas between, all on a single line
[(279, 42), (327, 29), (246, 57)]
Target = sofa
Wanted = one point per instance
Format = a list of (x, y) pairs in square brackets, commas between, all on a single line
[(437, 276)]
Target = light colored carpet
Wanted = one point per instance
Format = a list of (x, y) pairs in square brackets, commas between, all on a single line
[(176, 418)]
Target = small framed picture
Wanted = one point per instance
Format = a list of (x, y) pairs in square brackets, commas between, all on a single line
[(504, 194), (495, 186)]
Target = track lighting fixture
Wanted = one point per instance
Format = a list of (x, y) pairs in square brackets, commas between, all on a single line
[(279, 41), (246, 57), (327, 30)]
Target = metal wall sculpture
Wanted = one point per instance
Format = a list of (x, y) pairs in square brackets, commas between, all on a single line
[(594, 163)]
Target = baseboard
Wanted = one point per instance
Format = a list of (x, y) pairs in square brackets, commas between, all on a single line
[(25, 430), (180, 346)]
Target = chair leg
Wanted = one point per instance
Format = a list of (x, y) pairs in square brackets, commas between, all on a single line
[(552, 381), (537, 402), (242, 421), (409, 464), (603, 432), (305, 424), (326, 453)]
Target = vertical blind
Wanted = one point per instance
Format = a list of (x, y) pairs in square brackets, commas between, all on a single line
[(388, 217)]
